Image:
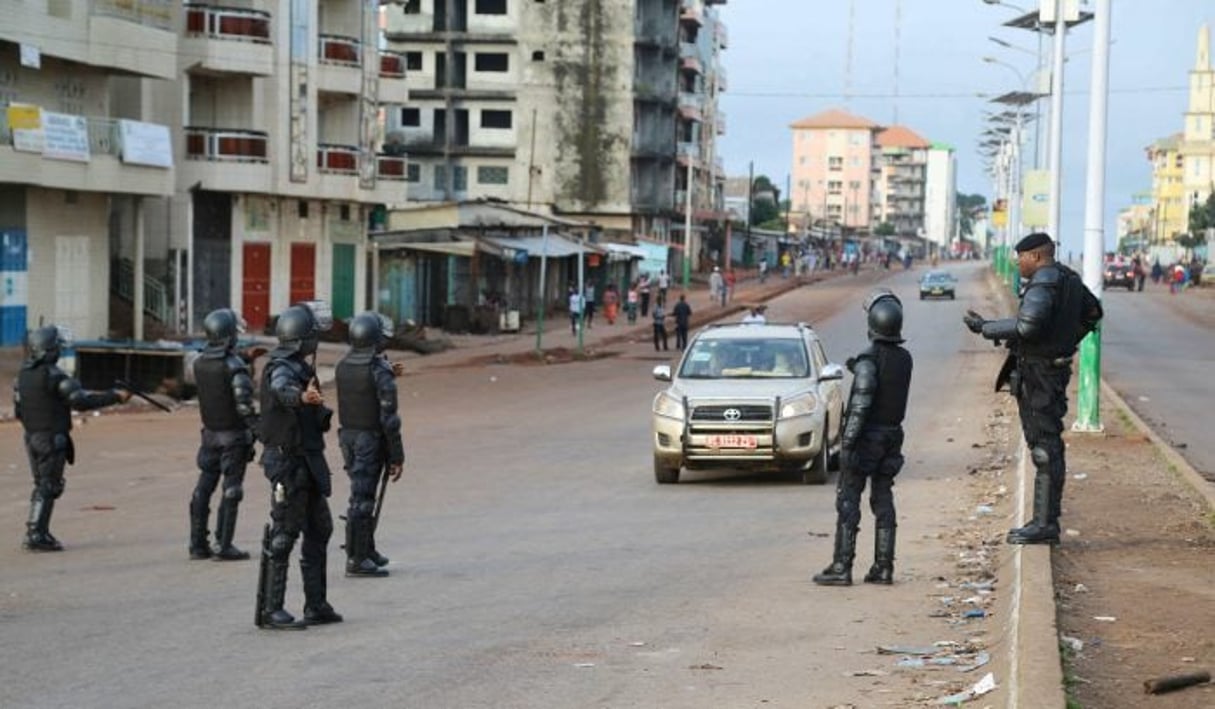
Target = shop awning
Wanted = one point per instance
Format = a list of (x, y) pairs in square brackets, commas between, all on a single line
[(534, 246), (451, 248), (624, 252)]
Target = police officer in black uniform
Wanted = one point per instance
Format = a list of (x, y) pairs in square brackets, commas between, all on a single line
[(370, 435), (225, 401), (1057, 310), (292, 427), (872, 443), (44, 397)]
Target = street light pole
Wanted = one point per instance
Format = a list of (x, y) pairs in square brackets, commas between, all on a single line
[(1056, 128), (1088, 402), (687, 229)]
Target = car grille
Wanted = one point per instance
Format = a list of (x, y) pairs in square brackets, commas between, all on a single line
[(747, 413)]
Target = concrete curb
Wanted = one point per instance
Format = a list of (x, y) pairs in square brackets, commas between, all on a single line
[(1035, 665), (1187, 472)]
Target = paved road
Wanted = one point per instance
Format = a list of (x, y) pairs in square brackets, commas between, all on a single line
[(535, 562), (1159, 360)]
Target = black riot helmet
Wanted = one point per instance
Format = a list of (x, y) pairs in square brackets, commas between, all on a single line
[(885, 312), (370, 330), (299, 327), (223, 326), (45, 343)]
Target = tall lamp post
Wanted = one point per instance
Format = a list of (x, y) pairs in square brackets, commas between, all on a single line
[(1088, 402)]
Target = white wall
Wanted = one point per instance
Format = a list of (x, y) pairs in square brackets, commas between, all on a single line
[(59, 293)]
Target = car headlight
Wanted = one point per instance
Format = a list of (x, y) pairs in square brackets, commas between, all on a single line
[(668, 406), (800, 405)]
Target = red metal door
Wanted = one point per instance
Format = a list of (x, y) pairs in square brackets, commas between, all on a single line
[(255, 285), (303, 272)]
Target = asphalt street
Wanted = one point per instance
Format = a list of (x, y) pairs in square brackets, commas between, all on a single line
[(535, 561)]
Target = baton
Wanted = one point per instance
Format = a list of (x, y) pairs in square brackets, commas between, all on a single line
[(123, 384), (379, 500)]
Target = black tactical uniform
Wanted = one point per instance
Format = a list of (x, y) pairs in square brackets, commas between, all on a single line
[(872, 444), (292, 435), (1057, 310), (370, 435), (44, 397), (225, 401)]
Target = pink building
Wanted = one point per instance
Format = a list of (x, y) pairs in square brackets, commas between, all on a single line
[(835, 169)]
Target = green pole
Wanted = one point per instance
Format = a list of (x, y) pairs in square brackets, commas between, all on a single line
[(1088, 399), (540, 301)]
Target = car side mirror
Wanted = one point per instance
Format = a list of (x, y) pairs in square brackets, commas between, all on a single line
[(663, 372), (831, 372)]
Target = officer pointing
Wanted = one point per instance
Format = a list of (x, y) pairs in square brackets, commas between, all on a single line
[(1057, 310)]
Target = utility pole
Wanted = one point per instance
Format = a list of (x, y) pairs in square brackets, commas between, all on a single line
[(687, 229), (541, 299), (1056, 125), (1088, 406)]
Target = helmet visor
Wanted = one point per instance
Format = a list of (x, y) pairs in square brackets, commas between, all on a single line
[(242, 325), (64, 337), (322, 314), (877, 295), (386, 326)]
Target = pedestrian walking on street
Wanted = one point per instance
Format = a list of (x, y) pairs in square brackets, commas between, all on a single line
[(294, 420), (643, 288), (575, 304), (611, 303), (717, 286), (632, 303), (1057, 311), (589, 302), (44, 397), (664, 284), (871, 445), (229, 418), (763, 270), (1157, 272), (683, 317), (660, 327), (728, 293)]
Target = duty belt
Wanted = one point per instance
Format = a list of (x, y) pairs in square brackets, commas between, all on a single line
[(1052, 361)]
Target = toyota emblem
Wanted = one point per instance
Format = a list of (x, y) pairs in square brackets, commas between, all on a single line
[(731, 414)]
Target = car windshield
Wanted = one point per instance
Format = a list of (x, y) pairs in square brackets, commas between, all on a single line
[(937, 278), (749, 358)]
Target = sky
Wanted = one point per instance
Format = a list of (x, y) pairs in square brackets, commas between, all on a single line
[(786, 60)]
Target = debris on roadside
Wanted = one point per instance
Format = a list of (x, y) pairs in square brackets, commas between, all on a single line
[(983, 686), (1160, 685)]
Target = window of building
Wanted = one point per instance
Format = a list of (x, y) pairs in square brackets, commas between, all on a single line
[(459, 178), (301, 209), (854, 184), (801, 160), (538, 55), (411, 117), (833, 210), (440, 178), (412, 7), (495, 119), (835, 163), (835, 187), (491, 175), (490, 7), (344, 212), (413, 61), (492, 61), (413, 172), (855, 161)]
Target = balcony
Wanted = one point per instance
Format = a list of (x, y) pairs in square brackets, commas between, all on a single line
[(722, 36), (687, 152), (689, 58), (691, 106), (93, 161), (720, 73), (390, 167), (339, 49), (654, 92), (720, 121), (226, 40), (692, 12), (337, 159), (392, 65), (340, 65)]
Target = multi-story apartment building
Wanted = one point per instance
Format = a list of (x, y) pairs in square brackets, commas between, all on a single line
[(573, 107), (276, 121), (82, 149), (1170, 209), (1198, 142), (941, 196), (835, 170), (903, 157)]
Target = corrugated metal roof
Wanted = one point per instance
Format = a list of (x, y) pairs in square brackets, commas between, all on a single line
[(557, 247)]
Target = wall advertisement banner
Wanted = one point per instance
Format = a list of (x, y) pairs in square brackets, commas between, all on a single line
[(146, 143), (25, 123), (1035, 199), (66, 136)]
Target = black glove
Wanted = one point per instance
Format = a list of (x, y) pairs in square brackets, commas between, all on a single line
[(974, 322)]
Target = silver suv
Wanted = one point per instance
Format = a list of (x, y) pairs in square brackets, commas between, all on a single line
[(749, 396)]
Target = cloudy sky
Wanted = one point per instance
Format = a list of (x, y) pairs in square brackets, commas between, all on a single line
[(787, 60)]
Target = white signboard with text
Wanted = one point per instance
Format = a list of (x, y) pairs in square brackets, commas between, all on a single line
[(146, 143), (65, 137)]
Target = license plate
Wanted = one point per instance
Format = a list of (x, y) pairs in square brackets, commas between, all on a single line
[(938, 291), (732, 441)]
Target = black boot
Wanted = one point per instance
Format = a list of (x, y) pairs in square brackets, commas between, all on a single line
[(1043, 529), (376, 557), (882, 570), (37, 529), (839, 573), (274, 616), (225, 529), (358, 561), (317, 610), (200, 548)]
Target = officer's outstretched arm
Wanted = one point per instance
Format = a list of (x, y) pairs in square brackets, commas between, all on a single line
[(1035, 314), (860, 401), (81, 399), (1002, 329), (390, 420)]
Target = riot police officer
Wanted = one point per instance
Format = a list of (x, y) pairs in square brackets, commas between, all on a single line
[(225, 401), (871, 448), (292, 427), (44, 397), (369, 434), (1057, 310)]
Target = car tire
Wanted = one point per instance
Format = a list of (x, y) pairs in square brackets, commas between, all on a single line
[(665, 474), (921, 296), (819, 469)]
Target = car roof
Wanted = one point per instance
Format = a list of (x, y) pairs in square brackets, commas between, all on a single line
[(936, 274), (757, 331)]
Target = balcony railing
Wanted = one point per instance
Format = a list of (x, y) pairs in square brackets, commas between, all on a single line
[(104, 138), (392, 65), (336, 49), (723, 37), (227, 144), (149, 13), (719, 120), (339, 159), (721, 78), (692, 12), (687, 151), (232, 23), (390, 167)]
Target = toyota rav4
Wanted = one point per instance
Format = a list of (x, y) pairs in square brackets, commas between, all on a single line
[(749, 396)]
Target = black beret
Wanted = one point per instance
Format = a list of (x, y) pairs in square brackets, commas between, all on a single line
[(1032, 242)]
